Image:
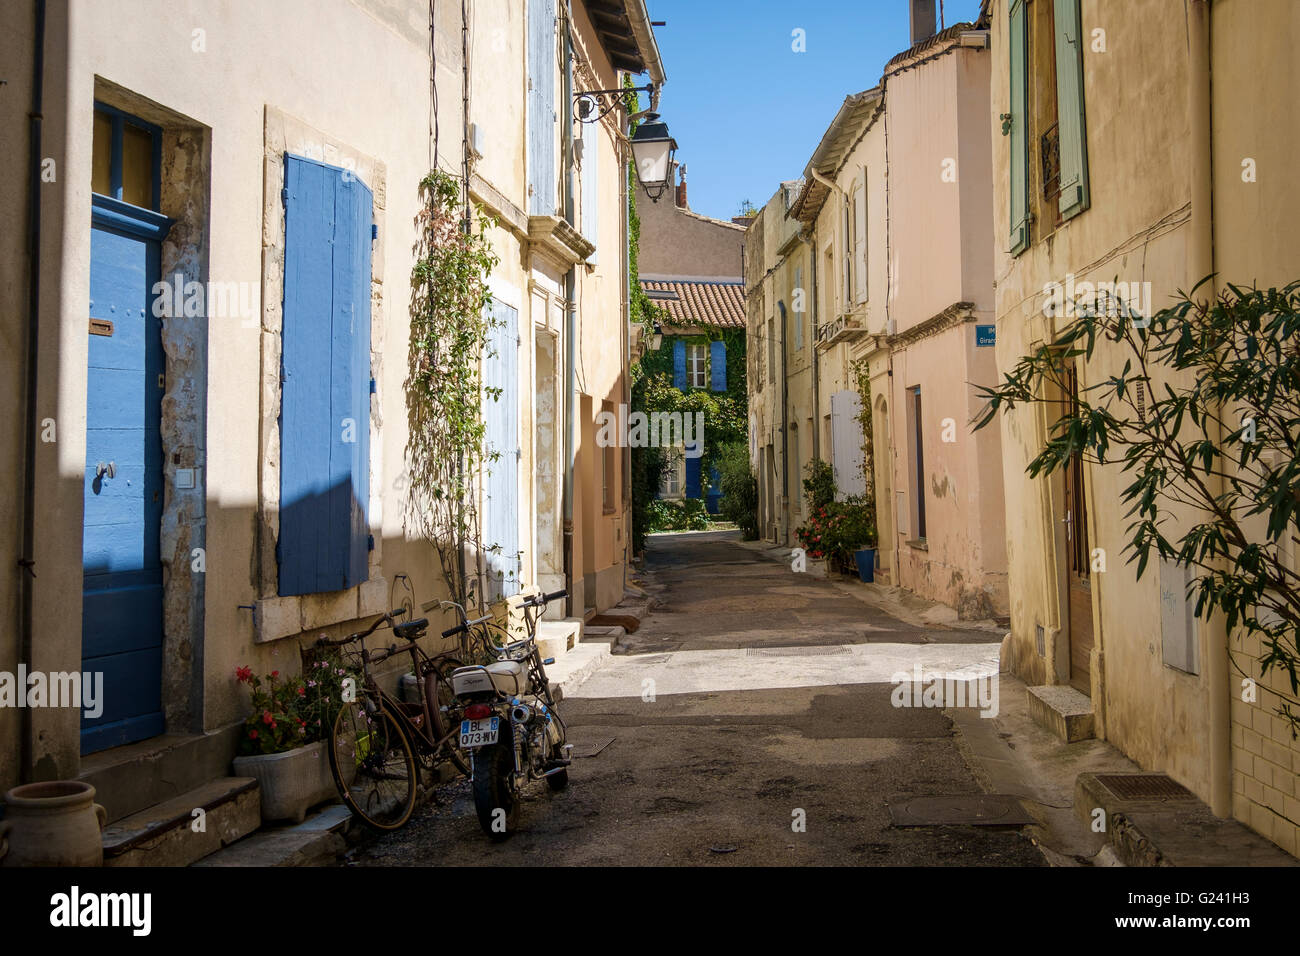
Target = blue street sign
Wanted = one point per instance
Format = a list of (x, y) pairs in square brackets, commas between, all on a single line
[(985, 335)]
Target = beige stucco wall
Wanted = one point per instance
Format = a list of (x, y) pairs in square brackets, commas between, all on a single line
[(1138, 229), (678, 242), (940, 218), (335, 82)]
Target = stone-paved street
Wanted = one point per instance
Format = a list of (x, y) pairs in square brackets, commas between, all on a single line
[(771, 695)]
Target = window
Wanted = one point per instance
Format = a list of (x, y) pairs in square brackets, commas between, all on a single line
[(126, 157), (1046, 123), (696, 366), (917, 464), (591, 134), (325, 375), (771, 347), (671, 479), (860, 237), (846, 255)]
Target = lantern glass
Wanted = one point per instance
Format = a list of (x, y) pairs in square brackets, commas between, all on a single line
[(653, 149)]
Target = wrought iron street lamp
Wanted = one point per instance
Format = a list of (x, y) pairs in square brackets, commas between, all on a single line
[(652, 151), (652, 147)]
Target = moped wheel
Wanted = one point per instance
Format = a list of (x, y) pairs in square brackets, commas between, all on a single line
[(373, 766), (495, 797), (560, 779)]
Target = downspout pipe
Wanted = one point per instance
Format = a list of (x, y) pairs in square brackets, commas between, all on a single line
[(571, 310), (1200, 263), (27, 563)]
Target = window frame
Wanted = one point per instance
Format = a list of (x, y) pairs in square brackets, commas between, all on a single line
[(118, 119)]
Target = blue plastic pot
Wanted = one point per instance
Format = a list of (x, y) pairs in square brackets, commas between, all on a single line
[(866, 558)]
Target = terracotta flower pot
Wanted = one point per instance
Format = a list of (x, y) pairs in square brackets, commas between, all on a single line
[(54, 823)]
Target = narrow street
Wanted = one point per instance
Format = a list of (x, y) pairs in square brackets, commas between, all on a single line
[(748, 695)]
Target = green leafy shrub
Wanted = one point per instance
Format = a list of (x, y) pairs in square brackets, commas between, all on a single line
[(739, 490), (819, 486), (688, 515)]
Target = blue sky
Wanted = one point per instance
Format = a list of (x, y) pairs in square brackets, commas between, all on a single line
[(746, 110)]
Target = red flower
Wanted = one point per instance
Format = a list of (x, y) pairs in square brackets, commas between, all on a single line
[(275, 673), (243, 674), (266, 717), (302, 691), (252, 735)]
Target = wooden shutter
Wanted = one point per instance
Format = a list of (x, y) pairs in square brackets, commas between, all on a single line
[(860, 238), (718, 366), (501, 437), (693, 487), (1019, 120), (1069, 105), (800, 297), (591, 186), (325, 372), (846, 444), (542, 179), (679, 364)]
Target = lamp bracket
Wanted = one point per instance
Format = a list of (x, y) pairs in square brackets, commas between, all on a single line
[(591, 106)]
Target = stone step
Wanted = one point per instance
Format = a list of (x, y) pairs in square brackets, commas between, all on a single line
[(575, 667), (317, 841), (1063, 710), (557, 638), (137, 776), (165, 834)]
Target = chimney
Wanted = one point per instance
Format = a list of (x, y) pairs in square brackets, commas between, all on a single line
[(681, 188), (923, 20)]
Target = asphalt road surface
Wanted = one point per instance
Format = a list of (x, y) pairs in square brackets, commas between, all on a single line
[(748, 722)]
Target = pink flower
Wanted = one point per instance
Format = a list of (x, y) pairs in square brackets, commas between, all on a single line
[(266, 717)]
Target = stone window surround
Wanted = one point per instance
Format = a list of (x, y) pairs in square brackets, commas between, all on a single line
[(275, 616)]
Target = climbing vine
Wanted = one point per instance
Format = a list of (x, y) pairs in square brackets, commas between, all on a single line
[(862, 382), (450, 324)]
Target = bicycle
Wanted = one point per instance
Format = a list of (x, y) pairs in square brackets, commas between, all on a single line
[(379, 744)]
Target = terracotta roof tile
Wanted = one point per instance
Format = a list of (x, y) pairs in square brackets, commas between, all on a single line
[(693, 302)]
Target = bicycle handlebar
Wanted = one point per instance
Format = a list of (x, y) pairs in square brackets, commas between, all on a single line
[(462, 628), (387, 616)]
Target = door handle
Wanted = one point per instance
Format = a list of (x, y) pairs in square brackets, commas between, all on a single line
[(106, 470)]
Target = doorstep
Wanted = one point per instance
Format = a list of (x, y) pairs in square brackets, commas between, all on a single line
[(318, 841), (166, 835), (1063, 710)]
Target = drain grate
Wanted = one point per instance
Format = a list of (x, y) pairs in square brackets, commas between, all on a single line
[(825, 650), (1143, 786)]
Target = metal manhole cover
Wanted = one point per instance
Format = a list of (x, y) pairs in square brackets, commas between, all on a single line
[(980, 809), (820, 651), (1144, 786)]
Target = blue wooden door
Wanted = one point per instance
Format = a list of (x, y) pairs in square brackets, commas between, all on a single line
[(501, 420), (122, 619)]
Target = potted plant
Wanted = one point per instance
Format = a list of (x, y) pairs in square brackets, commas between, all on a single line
[(283, 740), (857, 534)]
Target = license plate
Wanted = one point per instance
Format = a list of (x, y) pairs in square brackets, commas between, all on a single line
[(478, 733)]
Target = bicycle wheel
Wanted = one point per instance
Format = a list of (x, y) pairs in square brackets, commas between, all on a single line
[(444, 722), (373, 765)]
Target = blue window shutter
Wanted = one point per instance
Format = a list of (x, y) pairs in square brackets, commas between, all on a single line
[(501, 435), (325, 392), (718, 366), (1018, 38), (1071, 128), (679, 364), (692, 477), (541, 107)]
